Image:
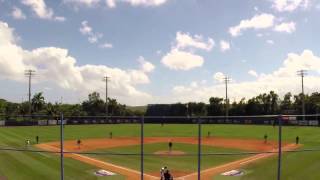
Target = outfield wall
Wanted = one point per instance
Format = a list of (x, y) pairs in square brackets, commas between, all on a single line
[(292, 120)]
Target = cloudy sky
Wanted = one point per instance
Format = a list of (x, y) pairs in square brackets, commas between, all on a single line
[(158, 51)]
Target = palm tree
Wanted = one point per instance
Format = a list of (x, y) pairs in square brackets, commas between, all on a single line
[(37, 102)]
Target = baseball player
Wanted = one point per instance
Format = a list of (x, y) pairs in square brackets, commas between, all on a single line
[(170, 146), (27, 143), (167, 175), (265, 138), (162, 171), (37, 139), (79, 143)]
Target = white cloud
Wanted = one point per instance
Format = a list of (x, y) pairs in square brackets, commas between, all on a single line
[(146, 2), (146, 66), (287, 27), (56, 66), (224, 45), (290, 5), (282, 80), (88, 3), (17, 13), (269, 41), (253, 73), (106, 46), (182, 56), (182, 60), (85, 29), (185, 40), (219, 76), (60, 18), (112, 3), (260, 35), (40, 8), (261, 21)]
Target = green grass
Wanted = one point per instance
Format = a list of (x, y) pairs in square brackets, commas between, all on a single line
[(25, 166), (154, 163), (18, 165)]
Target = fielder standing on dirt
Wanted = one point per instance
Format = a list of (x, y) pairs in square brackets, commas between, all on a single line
[(170, 146), (78, 143)]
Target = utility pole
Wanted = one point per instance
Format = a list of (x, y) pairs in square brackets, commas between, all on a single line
[(302, 73), (29, 73), (106, 78), (226, 81)]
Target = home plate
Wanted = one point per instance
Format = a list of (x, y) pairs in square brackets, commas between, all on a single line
[(233, 173), (102, 172)]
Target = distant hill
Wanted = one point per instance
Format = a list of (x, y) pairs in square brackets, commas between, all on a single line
[(137, 108)]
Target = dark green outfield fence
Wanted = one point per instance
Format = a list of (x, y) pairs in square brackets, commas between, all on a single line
[(43, 120), (273, 120)]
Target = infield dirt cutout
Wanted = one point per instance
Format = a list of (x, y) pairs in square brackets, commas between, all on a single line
[(94, 144)]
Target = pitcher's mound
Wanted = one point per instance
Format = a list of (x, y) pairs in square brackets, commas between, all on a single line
[(169, 153)]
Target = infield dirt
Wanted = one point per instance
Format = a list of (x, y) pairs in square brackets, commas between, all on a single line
[(94, 144)]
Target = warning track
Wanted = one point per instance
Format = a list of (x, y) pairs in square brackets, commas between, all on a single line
[(93, 144)]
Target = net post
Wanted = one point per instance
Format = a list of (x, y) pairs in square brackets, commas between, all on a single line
[(142, 147), (279, 146), (199, 148), (61, 147)]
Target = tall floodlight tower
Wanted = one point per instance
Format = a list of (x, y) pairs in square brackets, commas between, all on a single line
[(106, 79), (226, 81), (29, 73), (302, 73)]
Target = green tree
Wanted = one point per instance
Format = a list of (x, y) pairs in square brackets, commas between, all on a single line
[(24, 108), (3, 104), (286, 105), (94, 105), (37, 102), (215, 107)]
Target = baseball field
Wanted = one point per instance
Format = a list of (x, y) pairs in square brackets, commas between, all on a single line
[(225, 147)]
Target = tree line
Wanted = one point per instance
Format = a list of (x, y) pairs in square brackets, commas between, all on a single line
[(263, 104), (94, 105)]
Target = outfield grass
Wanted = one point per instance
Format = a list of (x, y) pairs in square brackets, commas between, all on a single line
[(18, 165), (153, 163), (31, 166)]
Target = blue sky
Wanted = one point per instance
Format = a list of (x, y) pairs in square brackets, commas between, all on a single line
[(158, 51)]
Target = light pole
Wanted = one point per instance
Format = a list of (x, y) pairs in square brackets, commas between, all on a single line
[(226, 81), (106, 78), (302, 73), (29, 73)]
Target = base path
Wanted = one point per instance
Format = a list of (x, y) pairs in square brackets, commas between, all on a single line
[(93, 144)]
